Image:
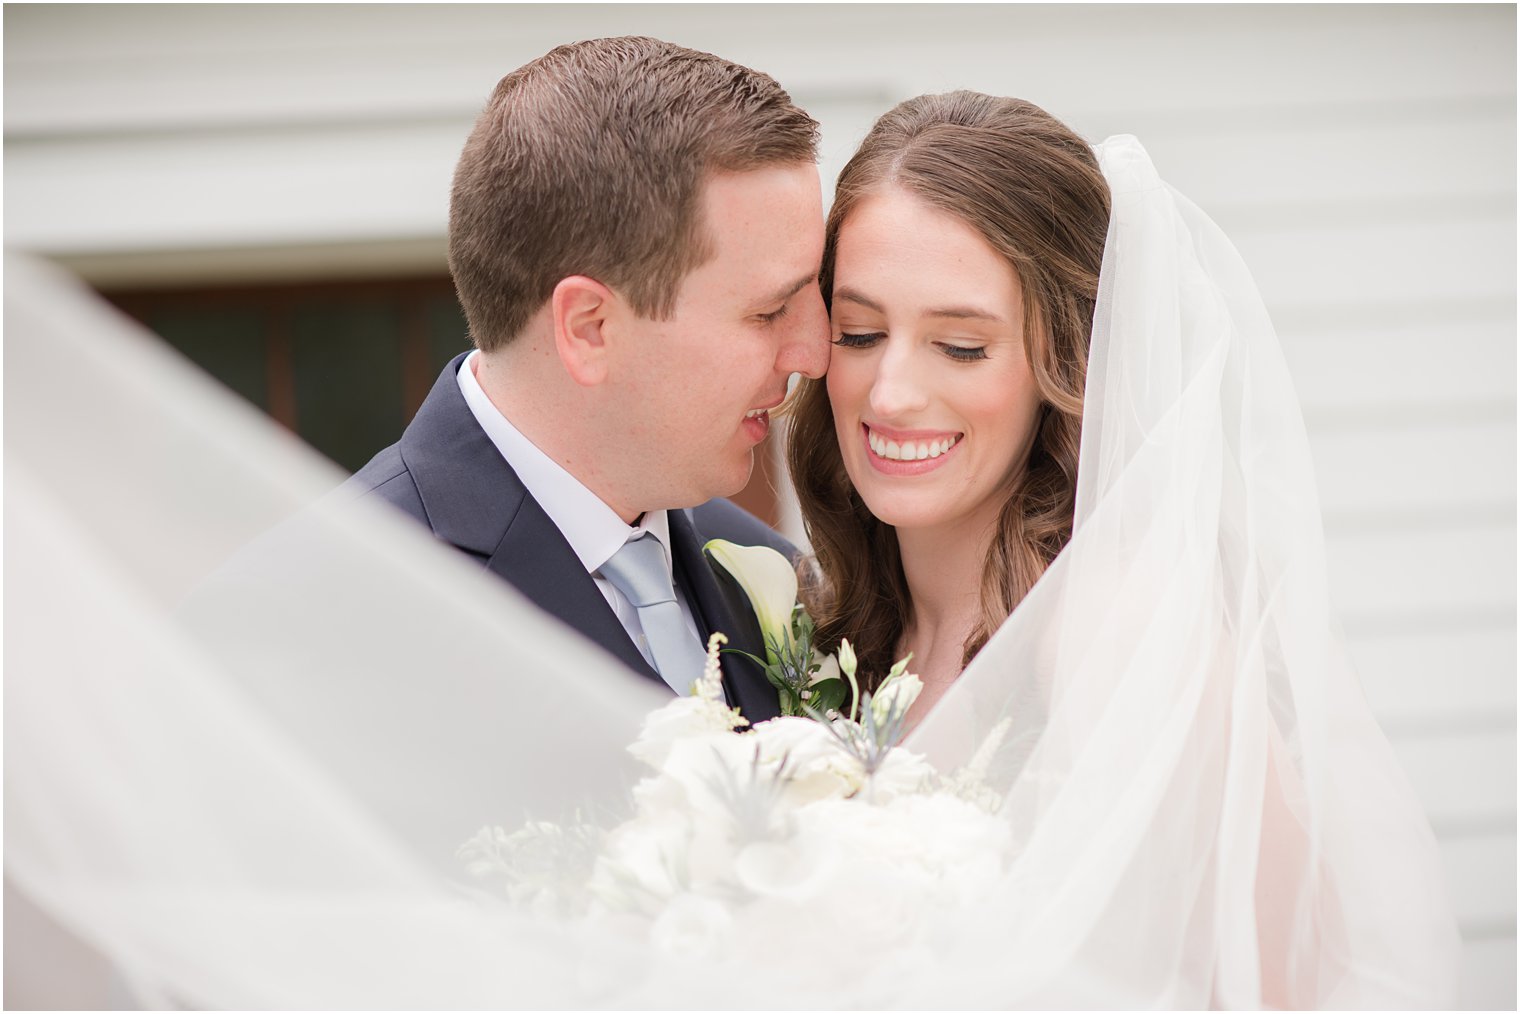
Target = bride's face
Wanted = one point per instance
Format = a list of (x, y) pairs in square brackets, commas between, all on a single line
[(935, 406)]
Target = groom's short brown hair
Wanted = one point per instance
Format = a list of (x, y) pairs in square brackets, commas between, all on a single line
[(590, 161)]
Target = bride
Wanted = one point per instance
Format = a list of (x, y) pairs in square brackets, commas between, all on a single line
[(937, 467), (260, 808), (958, 441)]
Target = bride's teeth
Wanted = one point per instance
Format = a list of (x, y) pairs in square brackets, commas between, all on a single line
[(908, 450), (755, 413)]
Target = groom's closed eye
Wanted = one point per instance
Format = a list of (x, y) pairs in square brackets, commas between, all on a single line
[(783, 298)]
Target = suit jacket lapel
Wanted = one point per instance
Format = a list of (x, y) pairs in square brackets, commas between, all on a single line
[(474, 500), (536, 558), (720, 604)]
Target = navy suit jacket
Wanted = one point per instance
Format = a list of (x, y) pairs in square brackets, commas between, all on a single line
[(446, 473)]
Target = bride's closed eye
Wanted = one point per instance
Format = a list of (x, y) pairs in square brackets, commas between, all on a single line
[(963, 353), (858, 341)]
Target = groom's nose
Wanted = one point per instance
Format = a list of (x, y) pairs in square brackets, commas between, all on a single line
[(805, 345)]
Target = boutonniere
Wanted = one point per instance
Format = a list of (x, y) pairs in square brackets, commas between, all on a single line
[(804, 681)]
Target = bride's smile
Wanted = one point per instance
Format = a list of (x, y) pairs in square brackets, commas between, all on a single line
[(935, 405), (897, 452)]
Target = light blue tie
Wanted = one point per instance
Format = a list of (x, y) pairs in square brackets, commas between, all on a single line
[(638, 571)]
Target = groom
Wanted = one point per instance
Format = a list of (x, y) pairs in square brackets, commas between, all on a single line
[(635, 234)]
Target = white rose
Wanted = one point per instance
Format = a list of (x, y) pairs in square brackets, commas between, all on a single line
[(902, 773), (682, 718), (818, 767), (642, 860)]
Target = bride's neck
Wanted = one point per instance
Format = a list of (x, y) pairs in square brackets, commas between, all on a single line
[(944, 573)]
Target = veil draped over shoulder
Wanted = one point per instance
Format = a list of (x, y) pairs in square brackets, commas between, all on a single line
[(249, 722)]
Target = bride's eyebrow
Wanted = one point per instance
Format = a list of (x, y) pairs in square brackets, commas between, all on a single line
[(963, 313), (849, 295)]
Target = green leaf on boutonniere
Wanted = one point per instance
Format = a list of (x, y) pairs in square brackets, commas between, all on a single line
[(827, 695)]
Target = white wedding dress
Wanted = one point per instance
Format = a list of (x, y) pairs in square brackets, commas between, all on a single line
[(238, 764)]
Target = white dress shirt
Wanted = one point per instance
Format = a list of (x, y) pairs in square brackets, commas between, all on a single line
[(593, 529)]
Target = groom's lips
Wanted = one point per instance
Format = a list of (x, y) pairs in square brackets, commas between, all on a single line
[(895, 466), (756, 426), (757, 421)]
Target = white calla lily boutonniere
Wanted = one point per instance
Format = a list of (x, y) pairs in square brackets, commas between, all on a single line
[(804, 681), (766, 577)]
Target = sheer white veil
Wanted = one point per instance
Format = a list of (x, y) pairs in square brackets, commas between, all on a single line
[(248, 722)]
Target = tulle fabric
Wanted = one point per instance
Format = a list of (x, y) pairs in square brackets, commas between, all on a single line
[(248, 722)]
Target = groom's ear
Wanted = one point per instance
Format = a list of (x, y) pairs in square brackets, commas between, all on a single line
[(580, 308)]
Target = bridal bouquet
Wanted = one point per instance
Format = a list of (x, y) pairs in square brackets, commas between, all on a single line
[(821, 826)]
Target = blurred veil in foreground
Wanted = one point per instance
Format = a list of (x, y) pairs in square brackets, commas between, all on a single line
[(249, 720)]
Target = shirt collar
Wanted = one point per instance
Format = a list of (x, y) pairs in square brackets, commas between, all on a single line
[(592, 528)]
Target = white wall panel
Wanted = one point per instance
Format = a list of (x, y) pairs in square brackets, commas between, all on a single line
[(173, 65), (1438, 676), (1488, 973), (1465, 782), (1483, 880), (1304, 259), (1417, 463), (1409, 158), (1378, 572), (181, 190), (1398, 359)]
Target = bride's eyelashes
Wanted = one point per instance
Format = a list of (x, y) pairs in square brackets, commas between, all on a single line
[(858, 341), (960, 353), (963, 353)]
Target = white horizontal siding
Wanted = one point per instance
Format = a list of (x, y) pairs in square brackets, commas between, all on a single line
[(1405, 360), (1361, 157), (1413, 463), (1399, 574), (1443, 675), (1453, 258), (172, 67), (1488, 971), (1484, 887), (130, 192), (1466, 781)]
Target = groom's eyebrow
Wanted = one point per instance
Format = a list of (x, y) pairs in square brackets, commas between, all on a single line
[(953, 312), (791, 290)]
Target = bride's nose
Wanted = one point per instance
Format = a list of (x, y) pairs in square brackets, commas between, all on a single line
[(897, 389)]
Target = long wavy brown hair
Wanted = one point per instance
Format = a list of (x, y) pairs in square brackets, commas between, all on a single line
[(1033, 189)]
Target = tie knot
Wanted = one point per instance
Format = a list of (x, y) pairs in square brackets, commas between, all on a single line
[(638, 571)]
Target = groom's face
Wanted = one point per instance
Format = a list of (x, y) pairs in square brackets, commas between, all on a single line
[(691, 396)]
